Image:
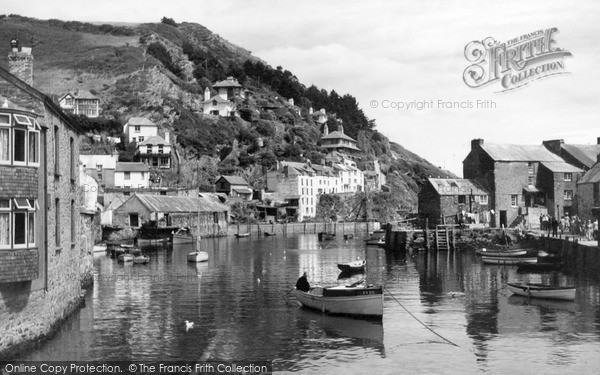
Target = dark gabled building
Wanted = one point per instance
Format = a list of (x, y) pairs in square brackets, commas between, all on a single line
[(446, 200), (519, 187), (588, 192), (559, 182), (581, 156), (233, 186)]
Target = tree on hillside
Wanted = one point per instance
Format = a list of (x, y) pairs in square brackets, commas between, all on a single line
[(329, 206), (168, 21)]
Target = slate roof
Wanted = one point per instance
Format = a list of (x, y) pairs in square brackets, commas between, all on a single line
[(299, 167), (168, 203), (154, 140), (217, 98), (80, 94), (592, 176), (234, 180), (457, 186), (7, 104), (560, 166), (140, 121), (338, 135), (229, 82), (131, 167), (510, 152), (586, 154)]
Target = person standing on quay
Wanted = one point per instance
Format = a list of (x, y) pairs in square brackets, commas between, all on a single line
[(554, 227)]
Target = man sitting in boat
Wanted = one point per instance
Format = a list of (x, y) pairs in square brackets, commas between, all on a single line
[(302, 283)]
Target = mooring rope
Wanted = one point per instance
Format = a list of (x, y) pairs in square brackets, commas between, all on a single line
[(418, 320)]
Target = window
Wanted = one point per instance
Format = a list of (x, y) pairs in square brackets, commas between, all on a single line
[(216, 217), (462, 199), (56, 151), (99, 167), (136, 129), (483, 199), (19, 145), (127, 175), (530, 167), (514, 200), (568, 195), (57, 222), (134, 220), (530, 180), (72, 159), (149, 149), (568, 176), (73, 223), (34, 147), (141, 138), (5, 223), (160, 149)]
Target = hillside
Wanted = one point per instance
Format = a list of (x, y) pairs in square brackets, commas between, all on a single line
[(160, 71)]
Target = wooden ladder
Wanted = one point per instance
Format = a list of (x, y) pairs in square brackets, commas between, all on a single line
[(442, 238)]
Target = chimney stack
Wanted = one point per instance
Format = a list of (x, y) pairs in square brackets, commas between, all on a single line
[(476, 142), (598, 140), (206, 94), (168, 137), (20, 62), (554, 145), (598, 158)]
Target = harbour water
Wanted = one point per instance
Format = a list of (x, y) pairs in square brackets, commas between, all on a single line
[(444, 313)]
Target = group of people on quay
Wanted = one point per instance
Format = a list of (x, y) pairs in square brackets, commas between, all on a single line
[(571, 225)]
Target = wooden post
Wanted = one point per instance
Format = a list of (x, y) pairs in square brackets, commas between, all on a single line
[(426, 232), (305, 227), (272, 228), (258, 229), (238, 227)]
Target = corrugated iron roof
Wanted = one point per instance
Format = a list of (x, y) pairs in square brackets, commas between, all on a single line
[(457, 186), (509, 152), (586, 154), (560, 166), (167, 203)]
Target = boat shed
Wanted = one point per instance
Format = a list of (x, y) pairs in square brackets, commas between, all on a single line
[(203, 216)]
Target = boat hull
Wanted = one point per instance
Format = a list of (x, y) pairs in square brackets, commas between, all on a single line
[(504, 253), (323, 236), (100, 248), (542, 291), (197, 256), (508, 260), (360, 302), (241, 235), (180, 239), (141, 259), (356, 266), (125, 258)]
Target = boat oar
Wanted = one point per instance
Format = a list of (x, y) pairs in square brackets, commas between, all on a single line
[(284, 296)]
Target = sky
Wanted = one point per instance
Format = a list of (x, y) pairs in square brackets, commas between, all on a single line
[(386, 53)]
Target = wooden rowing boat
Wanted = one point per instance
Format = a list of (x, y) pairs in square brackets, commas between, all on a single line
[(241, 235), (566, 293), (508, 260), (504, 253), (197, 256), (344, 300), (355, 266)]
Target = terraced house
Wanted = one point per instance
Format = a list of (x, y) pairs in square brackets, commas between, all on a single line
[(42, 254)]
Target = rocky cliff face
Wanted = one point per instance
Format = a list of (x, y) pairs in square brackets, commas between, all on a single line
[(167, 86)]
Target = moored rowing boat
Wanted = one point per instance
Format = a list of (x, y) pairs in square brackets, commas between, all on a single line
[(508, 260), (356, 301), (566, 293)]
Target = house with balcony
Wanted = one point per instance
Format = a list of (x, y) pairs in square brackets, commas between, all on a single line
[(138, 129), (155, 151), (42, 243), (224, 103), (338, 141), (80, 102)]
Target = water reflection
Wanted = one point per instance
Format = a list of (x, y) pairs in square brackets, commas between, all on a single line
[(235, 301)]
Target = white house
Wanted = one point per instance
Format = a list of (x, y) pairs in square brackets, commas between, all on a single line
[(138, 129), (80, 102), (133, 175), (100, 167), (155, 151), (223, 104)]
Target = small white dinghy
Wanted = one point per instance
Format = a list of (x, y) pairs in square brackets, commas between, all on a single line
[(356, 266), (358, 301), (197, 256), (566, 293)]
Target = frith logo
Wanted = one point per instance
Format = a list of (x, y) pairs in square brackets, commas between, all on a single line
[(515, 63)]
